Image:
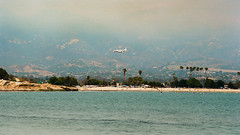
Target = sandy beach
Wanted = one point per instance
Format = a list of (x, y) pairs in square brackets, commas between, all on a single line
[(159, 89)]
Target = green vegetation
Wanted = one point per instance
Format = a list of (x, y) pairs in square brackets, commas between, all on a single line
[(238, 73), (136, 81), (194, 83), (140, 72), (153, 83), (124, 74), (208, 83), (66, 81), (3, 74), (186, 82), (182, 83), (231, 85), (89, 81), (93, 82)]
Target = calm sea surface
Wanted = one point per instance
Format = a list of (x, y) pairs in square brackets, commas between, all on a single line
[(119, 113)]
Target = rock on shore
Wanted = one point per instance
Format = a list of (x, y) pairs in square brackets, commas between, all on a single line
[(6, 85)]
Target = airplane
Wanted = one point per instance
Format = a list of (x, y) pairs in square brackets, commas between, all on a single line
[(120, 50)]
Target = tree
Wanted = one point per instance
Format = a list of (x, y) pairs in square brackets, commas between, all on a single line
[(237, 84), (197, 68), (53, 80), (135, 81), (174, 83), (87, 80), (219, 84), (66, 81), (70, 81), (231, 86), (238, 73), (140, 72), (194, 83), (154, 84), (191, 70), (201, 69), (182, 83), (3, 74), (124, 73), (206, 69), (181, 67), (94, 82), (209, 83), (174, 76), (187, 70)]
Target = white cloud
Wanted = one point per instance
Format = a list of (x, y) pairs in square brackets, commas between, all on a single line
[(71, 42)]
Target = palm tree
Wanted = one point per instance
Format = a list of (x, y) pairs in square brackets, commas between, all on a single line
[(181, 67), (187, 70), (201, 69), (87, 79), (174, 77), (197, 70), (206, 69), (238, 75), (140, 72), (191, 69), (124, 73)]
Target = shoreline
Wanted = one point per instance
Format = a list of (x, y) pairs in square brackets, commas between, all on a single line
[(10, 86), (109, 89), (193, 90)]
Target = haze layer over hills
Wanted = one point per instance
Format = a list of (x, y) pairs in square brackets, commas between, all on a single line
[(78, 36)]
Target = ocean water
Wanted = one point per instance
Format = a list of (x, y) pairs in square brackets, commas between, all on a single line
[(119, 113)]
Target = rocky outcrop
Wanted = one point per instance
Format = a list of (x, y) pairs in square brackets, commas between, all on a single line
[(6, 85)]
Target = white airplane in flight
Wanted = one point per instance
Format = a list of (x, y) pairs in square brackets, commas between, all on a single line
[(120, 50)]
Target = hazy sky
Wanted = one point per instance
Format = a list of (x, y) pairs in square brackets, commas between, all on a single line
[(141, 19)]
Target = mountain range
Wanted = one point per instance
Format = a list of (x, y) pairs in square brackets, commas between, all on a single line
[(46, 55)]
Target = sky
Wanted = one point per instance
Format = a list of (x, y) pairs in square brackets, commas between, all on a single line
[(121, 22), (147, 17)]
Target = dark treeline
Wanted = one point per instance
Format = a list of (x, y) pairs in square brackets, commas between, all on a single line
[(205, 83), (66, 81), (131, 81), (193, 83)]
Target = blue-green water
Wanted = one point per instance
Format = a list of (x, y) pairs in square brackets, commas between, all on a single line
[(119, 113)]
